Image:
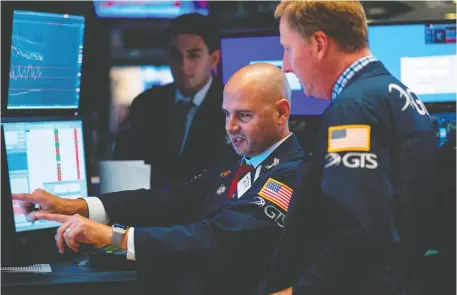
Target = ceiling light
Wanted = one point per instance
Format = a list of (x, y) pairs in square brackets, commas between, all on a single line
[(377, 10)]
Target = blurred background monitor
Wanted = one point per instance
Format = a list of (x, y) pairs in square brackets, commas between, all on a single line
[(148, 9), (45, 60), (48, 155), (127, 82), (445, 127), (423, 56), (238, 51)]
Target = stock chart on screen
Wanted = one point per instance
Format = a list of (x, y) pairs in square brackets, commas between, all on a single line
[(48, 155), (46, 59)]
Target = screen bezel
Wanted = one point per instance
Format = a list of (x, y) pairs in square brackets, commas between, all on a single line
[(17, 112), (275, 32), (8, 225), (57, 119)]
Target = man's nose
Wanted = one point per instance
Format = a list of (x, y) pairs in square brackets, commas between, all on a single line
[(186, 66), (231, 126), (285, 64)]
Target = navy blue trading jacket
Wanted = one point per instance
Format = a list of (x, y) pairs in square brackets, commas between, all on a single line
[(192, 231), (367, 189)]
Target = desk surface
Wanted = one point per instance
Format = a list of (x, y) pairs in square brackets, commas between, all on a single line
[(66, 273)]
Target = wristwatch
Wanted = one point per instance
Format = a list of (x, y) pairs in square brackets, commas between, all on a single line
[(118, 232)]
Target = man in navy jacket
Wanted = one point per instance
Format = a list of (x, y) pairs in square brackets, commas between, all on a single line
[(216, 231), (357, 218)]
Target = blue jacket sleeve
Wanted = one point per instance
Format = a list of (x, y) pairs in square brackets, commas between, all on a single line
[(243, 233), (357, 191), (177, 203)]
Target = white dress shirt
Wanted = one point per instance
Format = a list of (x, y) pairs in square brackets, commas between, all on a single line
[(97, 211)]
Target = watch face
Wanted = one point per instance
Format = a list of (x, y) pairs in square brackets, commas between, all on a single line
[(119, 226)]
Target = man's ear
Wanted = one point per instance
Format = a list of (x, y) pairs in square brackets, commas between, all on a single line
[(320, 41), (215, 58), (283, 109)]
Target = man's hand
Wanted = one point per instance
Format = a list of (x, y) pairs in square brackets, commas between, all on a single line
[(49, 203), (287, 291), (77, 229)]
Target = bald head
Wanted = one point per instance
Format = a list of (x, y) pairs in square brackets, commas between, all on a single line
[(257, 108), (262, 78)]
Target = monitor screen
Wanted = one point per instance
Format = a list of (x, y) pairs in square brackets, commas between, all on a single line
[(47, 155), (423, 56), (127, 82), (45, 62), (240, 51), (146, 9), (445, 127)]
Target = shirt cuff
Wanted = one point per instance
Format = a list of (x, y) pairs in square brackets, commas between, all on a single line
[(130, 244), (97, 211)]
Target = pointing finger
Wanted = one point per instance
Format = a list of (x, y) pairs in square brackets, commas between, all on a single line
[(24, 197), (52, 217)]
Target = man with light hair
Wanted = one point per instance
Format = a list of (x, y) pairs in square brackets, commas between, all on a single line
[(356, 223)]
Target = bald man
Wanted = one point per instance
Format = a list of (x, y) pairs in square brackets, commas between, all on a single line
[(215, 233)]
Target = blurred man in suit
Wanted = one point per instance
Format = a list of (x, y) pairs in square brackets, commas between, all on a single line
[(179, 124)]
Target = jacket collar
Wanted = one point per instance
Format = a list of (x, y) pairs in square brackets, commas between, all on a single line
[(257, 160)]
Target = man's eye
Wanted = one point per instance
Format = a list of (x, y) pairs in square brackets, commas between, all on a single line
[(244, 116), (194, 56)]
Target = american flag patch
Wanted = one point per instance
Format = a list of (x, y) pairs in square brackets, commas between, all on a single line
[(348, 138), (277, 193)]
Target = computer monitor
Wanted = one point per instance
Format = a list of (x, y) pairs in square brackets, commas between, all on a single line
[(148, 9), (47, 154), (45, 60), (127, 82), (445, 126), (423, 56), (239, 51)]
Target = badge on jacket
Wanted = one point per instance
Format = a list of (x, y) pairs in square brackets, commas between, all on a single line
[(257, 172), (243, 185), (221, 190), (225, 173), (275, 163)]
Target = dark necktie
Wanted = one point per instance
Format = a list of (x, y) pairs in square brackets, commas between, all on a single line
[(240, 173), (181, 111)]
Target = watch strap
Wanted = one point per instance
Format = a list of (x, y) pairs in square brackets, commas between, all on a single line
[(118, 233)]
